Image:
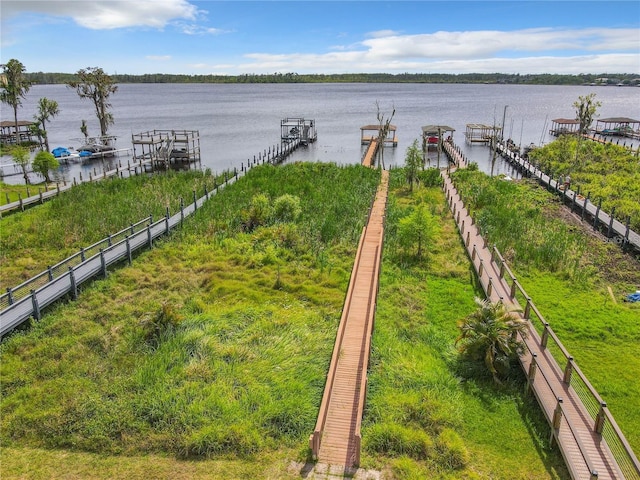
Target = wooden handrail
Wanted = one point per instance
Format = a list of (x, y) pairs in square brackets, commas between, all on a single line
[(315, 439), (571, 367)]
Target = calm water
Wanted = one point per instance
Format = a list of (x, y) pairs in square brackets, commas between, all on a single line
[(238, 121)]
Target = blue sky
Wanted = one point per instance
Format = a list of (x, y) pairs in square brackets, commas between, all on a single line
[(237, 37)]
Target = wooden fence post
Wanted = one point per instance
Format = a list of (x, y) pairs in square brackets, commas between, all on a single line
[(599, 425), (527, 309), (595, 218), (74, 287), (545, 336), (557, 419), (533, 368), (568, 371), (613, 211), (50, 273), (36, 306), (9, 296), (103, 263), (128, 243)]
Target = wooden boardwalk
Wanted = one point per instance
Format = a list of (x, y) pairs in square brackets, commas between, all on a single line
[(370, 154), (624, 235), (573, 426), (336, 439)]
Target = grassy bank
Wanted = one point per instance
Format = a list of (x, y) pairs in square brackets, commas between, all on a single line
[(608, 172), (569, 272), (46, 234), (213, 345), (428, 414)]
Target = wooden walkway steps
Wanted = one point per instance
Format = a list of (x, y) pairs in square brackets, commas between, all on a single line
[(581, 424), (370, 154), (625, 236), (336, 438)]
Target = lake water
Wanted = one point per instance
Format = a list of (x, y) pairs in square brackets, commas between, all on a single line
[(238, 121)]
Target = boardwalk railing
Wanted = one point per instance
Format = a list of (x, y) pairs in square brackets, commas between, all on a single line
[(28, 299), (606, 221), (544, 348), (603, 422), (315, 440)]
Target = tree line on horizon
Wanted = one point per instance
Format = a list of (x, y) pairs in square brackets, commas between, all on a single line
[(498, 78)]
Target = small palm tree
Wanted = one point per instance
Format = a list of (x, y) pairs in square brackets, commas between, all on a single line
[(490, 334)]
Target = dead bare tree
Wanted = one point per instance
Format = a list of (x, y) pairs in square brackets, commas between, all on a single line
[(383, 130)]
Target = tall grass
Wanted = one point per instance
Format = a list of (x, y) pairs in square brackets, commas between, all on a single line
[(48, 233), (215, 344)]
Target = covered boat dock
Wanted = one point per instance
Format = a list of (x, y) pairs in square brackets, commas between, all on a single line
[(432, 135), (370, 132), (620, 126), (481, 133), (564, 126)]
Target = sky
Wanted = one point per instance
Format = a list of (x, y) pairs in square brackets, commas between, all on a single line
[(264, 37)]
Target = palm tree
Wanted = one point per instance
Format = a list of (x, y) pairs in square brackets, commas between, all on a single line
[(490, 333), (14, 88), (47, 109)]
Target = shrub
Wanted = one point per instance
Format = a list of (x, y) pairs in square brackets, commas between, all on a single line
[(286, 208), (258, 214), (430, 177)]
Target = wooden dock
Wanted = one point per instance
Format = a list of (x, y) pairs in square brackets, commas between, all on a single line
[(372, 149), (336, 439), (588, 437)]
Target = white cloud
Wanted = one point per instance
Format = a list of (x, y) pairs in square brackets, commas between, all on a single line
[(382, 33), (578, 51), (474, 44), (194, 29), (108, 14)]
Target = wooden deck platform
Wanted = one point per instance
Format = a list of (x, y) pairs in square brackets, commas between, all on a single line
[(336, 439), (586, 451)]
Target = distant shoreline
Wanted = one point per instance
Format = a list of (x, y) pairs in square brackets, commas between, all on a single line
[(617, 79)]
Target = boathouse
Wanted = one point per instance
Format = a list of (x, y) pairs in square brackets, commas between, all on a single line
[(162, 148), (481, 133), (622, 126), (432, 135), (24, 133), (564, 126), (370, 132), (298, 129)]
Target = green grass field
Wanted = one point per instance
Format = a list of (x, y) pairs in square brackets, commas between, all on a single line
[(207, 357)]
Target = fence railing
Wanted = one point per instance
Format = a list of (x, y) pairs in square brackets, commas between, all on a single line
[(603, 421)]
